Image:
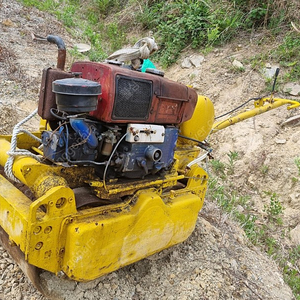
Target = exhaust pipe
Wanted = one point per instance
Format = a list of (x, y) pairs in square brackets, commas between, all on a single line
[(61, 57), (54, 39)]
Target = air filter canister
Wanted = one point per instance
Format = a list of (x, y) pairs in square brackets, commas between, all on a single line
[(76, 95)]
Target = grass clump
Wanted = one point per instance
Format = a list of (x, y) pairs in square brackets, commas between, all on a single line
[(192, 23), (288, 55), (297, 162), (291, 272), (176, 24), (274, 209), (188, 23)]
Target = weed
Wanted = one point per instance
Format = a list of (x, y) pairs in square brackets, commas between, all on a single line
[(232, 158), (297, 162), (258, 61), (294, 180), (266, 235), (292, 278), (67, 16), (227, 168), (288, 55), (271, 245), (290, 270), (46, 5), (75, 54), (183, 23), (115, 35), (264, 170), (104, 36), (107, 6), (213, 34), (218, 167), (208, 49), (236, 70), (247, 222), (274, 209)]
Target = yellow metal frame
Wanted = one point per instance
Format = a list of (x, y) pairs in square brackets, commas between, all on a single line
[(87, 243), (261, 106), (56, 236)]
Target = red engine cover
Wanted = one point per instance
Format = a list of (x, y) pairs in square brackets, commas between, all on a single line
[(129, 96)]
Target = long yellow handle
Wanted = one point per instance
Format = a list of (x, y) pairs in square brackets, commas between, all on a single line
[(261, 106)]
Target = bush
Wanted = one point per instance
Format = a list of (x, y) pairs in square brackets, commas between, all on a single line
[(178, 24), (187, 23)]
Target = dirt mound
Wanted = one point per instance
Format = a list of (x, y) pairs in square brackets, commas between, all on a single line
[(263, 142)]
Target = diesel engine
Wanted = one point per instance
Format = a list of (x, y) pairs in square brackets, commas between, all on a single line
[(122, 122)]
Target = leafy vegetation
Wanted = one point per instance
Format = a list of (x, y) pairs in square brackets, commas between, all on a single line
[(297, 162), (176, 24), (290, 270), (188, 23), (192, 23)]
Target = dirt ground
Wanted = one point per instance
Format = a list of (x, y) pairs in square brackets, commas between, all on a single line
[(216, 261), (267, 148)]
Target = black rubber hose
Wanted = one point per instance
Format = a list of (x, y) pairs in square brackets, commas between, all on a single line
[(54, 39)]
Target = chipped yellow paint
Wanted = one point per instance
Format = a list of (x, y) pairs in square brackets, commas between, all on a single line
[(148, 223), (89, 243)]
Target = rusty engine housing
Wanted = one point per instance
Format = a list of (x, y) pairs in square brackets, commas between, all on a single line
[(132, 129), (127, 95)]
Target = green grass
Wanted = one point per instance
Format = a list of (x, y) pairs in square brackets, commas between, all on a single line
[(190, 23), (232, 157), (297, 162), (289, 263), (274, 209), (199, 25), (264, 170), (286, 54)]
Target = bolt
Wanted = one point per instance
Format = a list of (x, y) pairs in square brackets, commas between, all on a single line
[(38, 246), (48, 229), (37, 229), (60, 202)]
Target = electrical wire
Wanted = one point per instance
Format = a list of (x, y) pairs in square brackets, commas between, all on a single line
[(197, 160), (240, 106), (200, 144), (110, 158)]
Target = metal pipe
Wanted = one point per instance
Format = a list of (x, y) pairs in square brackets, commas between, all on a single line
[(260, 108), (61, 57)]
